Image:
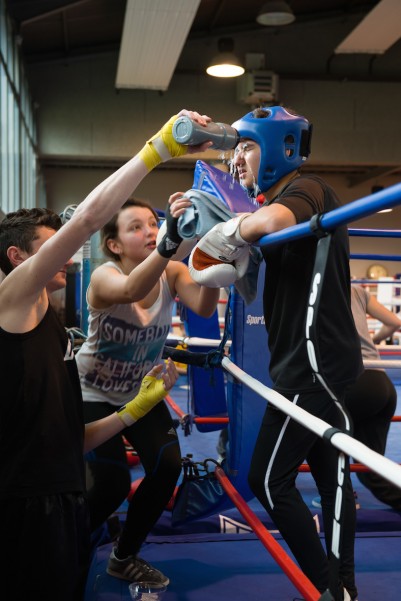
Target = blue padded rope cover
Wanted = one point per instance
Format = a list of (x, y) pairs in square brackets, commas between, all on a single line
[(221, 184), (207, 387), (250, 352)]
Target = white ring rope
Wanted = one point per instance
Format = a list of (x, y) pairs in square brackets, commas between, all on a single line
[(194, 341), (390, 470), (212, 342), (384, 363), (388, 347)]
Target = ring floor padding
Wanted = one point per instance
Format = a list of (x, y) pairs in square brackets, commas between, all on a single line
[(237, 568), (205, 563)]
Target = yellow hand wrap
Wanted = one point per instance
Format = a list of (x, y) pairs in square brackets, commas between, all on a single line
[(162, 146), (152, 391)]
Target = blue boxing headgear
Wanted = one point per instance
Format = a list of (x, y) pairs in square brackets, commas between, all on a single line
[(284, 141)]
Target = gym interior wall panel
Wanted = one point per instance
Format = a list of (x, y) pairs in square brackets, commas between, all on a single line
[(87, 125), (82, 114), (71, 185), (355, 123)]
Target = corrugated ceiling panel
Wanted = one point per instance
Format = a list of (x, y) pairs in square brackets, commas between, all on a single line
[(154, 34), (379, 30)]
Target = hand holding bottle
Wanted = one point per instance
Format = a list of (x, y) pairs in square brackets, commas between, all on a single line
[(163, 146)]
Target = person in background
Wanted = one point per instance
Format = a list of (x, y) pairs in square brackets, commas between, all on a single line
[(45, 534), (131, 299), (274, 143), (372, 400)]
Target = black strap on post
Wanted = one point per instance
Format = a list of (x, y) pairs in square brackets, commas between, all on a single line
[(207, 360), (316, 227), (319, 269)]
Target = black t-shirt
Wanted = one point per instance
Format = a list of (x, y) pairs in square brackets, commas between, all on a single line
[(289, 269), (41, 413)]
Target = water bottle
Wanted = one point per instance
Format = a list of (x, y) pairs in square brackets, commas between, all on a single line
[(143, 591), (189, 132)]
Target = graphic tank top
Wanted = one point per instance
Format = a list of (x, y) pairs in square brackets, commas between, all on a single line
[(124, 342)]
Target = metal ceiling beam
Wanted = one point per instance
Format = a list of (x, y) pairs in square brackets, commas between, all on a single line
[(50, 13)]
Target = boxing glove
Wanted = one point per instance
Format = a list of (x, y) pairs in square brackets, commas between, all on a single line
[(162, 146), (151, 392), (221, 257)]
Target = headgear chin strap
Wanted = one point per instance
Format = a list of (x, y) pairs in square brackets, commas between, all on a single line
[(284, 141)]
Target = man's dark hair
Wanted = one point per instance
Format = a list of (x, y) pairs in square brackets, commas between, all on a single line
[(20, 229), (110, 230)]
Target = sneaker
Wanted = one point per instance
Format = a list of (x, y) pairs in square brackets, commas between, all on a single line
[(135, 569)]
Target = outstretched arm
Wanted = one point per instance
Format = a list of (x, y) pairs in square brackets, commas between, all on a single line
[(109, 286), (154, 388), (391, 323), (200, 299), (99, 206)]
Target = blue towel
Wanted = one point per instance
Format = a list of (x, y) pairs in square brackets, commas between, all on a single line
[(206, 211)]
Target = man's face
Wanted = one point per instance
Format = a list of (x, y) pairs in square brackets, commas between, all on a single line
[(246, 162)]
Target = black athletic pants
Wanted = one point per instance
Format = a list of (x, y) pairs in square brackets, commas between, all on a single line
[(371, 403), (108, 476), (282, 445)]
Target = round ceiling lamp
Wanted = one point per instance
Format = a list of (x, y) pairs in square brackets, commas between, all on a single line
[(226, 63), (275, 13)]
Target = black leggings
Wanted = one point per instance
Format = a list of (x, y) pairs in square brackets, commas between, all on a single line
[(108, 476), (281, 446), (371, 403)]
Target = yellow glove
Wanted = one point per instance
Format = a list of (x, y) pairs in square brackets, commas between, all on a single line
[(152, 391), (162, 146)]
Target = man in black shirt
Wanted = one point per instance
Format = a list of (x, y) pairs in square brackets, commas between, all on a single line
[(274, 142), (45, 533)]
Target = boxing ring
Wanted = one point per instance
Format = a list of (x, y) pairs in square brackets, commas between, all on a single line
[(195, 562)]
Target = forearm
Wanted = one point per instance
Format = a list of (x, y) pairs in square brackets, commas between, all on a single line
[(200, 299), (384, 333), (104, 201), (145, 276), (154, 388), (266, 220), (101, 430), (207, 302)]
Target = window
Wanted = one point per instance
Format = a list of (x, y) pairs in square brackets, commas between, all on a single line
[(18, 154)]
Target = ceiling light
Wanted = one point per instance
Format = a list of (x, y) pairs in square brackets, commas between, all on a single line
[(225, 64), (275, 13)]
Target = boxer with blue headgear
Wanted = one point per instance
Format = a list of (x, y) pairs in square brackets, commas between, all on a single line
[(284, 140), (274, 143)]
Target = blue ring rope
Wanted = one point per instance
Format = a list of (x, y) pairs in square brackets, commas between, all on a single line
[(375, 257), (375, 233), (385, 199)]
